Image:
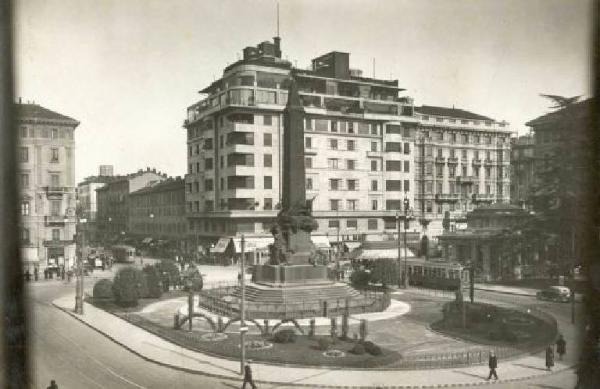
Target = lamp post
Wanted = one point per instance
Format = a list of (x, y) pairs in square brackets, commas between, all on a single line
[(406, 208), (243, 328), (79, 284)]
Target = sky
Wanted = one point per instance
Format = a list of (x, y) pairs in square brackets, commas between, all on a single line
[(128, 69)]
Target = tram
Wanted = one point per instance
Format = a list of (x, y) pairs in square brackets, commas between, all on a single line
[(436, 274), (123, 253)]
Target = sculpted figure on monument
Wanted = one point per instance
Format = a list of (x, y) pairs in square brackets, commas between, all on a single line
[(278, 248)]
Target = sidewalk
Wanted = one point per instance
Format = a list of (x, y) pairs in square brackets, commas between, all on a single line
[(506, 289), (158, 350)]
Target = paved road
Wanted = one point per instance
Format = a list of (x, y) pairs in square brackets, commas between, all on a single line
[(76, 356), (79, 357)]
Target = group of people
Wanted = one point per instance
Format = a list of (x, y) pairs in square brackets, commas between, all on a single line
[(60, 272), (561, 350)]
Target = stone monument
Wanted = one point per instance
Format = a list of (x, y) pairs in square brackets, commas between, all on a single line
[(293, 255)]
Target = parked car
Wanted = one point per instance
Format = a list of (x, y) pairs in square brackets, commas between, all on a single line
[(555, 293)]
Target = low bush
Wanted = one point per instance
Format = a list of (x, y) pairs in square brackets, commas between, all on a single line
[(358, 349), (372, 348), (153, 282), (324, 344), (360, 278), (103, 289), (126, 286), (284, 336)]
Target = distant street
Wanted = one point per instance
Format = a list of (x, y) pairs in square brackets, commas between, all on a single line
[(77, 356)]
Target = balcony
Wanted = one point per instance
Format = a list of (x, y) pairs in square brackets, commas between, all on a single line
[(476, 162), (488, 162), (484, 198), (55, 190), (440, 159), (446, 197), (58, 243), (452, 160), (55, 221), (466, 179)]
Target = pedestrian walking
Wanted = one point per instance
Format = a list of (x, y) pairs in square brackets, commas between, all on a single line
[(549, 357), (36, 273), (27, 275), (248, 377), (493, 365), (561, 347), (52, 385)]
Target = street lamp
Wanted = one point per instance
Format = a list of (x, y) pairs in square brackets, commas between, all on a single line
[(243, 327), (405, 218), (79, 284)]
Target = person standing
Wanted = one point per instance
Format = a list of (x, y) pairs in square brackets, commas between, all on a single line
[(549, 357), (493, 365), (52, 385), (561, 347), (248, 377)]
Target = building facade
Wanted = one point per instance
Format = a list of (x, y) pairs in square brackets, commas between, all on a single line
[(87, 205), (113, 202), (157, 213), (47, 181), (463, 161), (496, 243), (359, 147), (522, 166)]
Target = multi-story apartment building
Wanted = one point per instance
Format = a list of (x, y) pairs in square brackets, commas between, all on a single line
[(157, 212), (522, 166), (359, 142), (113, 201), (47, 180), (87, 205), (463, 160)]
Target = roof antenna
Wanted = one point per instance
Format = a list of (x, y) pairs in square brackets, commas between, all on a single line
[(277, 18)]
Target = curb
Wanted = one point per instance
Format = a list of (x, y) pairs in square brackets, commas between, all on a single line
[(236, 379)]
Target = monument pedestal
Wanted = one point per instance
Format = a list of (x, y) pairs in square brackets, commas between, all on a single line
[(290, 275)]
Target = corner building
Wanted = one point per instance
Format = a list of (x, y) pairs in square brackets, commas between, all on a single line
[(462, 162), (359, 147), (46, 173)]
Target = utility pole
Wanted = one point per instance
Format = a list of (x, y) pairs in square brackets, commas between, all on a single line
[(406, 207), (243, 328), (79, 284), (573, 275), (399, 248)]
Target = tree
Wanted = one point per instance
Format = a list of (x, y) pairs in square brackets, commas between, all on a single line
[(385, 271), (126, 286)]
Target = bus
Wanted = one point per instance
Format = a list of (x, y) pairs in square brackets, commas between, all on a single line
[(123, 253)]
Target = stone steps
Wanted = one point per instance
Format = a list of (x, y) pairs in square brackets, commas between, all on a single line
[(299, 294)]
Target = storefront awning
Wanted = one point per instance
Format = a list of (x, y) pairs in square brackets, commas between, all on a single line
[(221, 245), (375, 254), (352, 245), (322, 242), (252, 244)]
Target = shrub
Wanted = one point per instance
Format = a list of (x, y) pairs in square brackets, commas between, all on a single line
[(126, 286), (324, 344), (385, 271), (103, 289), (153, 281), (284, 336), (360, 278), (372, 348), (170, 267), (358, 349)]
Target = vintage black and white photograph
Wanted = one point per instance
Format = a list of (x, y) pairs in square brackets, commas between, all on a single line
[(313, 194)]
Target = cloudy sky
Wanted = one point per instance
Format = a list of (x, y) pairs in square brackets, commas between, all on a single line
[(127, 69)]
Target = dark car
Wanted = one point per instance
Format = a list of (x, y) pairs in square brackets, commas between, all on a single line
[(555, 293)]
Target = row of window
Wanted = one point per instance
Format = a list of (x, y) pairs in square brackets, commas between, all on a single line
[(353, 185), (26, 235), (53, 157), (54, 133), (453, 153), (24, 180), (55, 208), (342, 127), (476, 170), (454, 137), (233, 182)]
